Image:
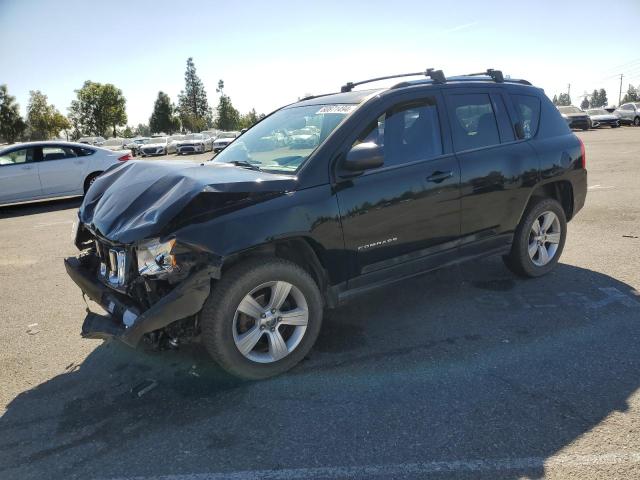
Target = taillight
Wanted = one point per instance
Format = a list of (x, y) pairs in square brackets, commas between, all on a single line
[(583, 155), (125, 157)]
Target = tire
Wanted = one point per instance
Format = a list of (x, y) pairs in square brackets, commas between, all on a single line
[(89, 181), (223, 324), (636, 121), (519, 260)]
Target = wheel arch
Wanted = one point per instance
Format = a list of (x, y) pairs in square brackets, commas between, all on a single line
[(88, 178), (302, 251), (559, 190)]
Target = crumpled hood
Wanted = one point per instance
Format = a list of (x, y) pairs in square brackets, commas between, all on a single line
[(137, 199)]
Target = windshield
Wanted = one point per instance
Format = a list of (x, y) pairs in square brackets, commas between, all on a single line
[(597, 111), (194, 136), (284, 140), (176, 137), (228, 135), (156, 140), (113, 141), (569, 109)]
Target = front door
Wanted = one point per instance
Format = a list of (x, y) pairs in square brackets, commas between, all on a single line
[(19, 176), (395, 216)]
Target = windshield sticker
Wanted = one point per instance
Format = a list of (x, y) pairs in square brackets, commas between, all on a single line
[(336, 109)]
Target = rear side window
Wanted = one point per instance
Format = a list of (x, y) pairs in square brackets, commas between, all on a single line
[(83, 151), (473, 121), (528, 108), (407, 132)]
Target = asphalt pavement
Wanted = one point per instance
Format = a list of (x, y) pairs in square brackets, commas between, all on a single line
[(468, 372)]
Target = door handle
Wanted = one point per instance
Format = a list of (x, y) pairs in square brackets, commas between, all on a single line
[(437, 177)]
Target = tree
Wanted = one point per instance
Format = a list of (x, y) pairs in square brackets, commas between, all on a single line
[(98, 109), (127, 132), (564, 100), (555, 100), (228, 117), (44, 121), (11, 124), (602, 94), (249, 119), (142, 130), (193, 106), (584, 104), (594, 101), (163, 118), (631, 95)]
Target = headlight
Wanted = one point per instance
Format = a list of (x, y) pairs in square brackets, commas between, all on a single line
[(155, 257)]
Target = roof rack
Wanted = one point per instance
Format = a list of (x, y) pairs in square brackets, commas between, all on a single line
[(436, 75), (496, 75)]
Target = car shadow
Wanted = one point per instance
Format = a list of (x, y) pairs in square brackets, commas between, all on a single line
[(468, 364), (45, 206)]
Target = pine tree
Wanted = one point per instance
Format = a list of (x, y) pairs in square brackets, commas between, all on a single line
[(163, 118), (555, 100), (602, 96), (564, 100), (228, 117), (595, 99), (584, 104), (631, 95), (193, 107)]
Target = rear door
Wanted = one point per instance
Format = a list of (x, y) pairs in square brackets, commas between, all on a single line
[(395, 217), (497, 170), (19, 176), (61, 170)]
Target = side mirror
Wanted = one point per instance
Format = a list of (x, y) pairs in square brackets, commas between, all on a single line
[(519, 130), (364, 156)]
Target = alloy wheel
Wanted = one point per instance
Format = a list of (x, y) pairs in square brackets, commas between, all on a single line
[(544, 238), (270, 322)]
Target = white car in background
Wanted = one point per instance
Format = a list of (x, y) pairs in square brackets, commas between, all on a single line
[(224, 139), (116, 144), (172, 143), (99, 141), (195, 143), (42, 170), (154, 146)]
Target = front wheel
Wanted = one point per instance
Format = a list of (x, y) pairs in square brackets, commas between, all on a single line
[(636, 121), (538, 240), (261, 318)]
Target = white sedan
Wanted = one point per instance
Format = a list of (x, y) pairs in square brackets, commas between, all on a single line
[(42, 170)]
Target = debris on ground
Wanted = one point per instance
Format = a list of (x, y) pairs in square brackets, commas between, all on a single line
[(32, 329), (630, 236), (144, 387)]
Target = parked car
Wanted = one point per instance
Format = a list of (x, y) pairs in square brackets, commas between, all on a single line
[(135, 144), (98, 141), (246, 251), (304, 138), (172, 143), (223, 140), (600, 117), (116, 144), (155, 146), (575, 117), (194, 143), (629, 113), (43, 170)]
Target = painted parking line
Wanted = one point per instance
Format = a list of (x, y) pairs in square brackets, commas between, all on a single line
[(631, 460)]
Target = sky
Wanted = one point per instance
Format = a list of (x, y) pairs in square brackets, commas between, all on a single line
[(271, 53)]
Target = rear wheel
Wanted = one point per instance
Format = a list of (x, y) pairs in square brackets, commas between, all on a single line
[(261, 318), (636, 121), (539, 239), (89, 181)]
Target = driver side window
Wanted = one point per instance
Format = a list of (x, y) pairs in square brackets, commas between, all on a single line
[(407, 132)]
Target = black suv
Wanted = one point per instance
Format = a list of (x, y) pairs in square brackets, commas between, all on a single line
[(324, 199)]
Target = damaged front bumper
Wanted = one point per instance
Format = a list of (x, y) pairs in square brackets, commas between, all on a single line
[(125, 321)]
